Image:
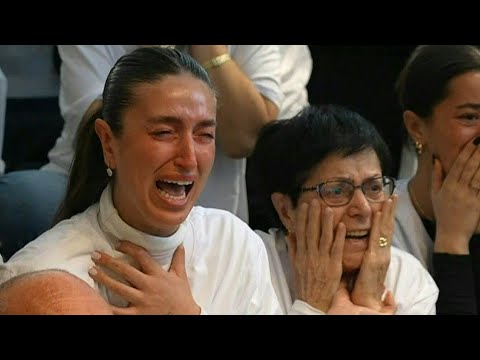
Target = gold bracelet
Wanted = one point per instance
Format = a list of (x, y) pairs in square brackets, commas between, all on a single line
[(216, 61)]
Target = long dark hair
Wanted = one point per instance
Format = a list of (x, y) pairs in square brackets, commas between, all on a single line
[(424, 80), (88, 177), (288, 150)]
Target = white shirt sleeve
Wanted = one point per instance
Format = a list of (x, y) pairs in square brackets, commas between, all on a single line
[(63, 247), (264, 300), (84, 70), (262, 65), (414, 289)]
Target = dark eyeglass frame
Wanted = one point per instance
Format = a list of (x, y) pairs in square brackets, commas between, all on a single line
[(385, 180)]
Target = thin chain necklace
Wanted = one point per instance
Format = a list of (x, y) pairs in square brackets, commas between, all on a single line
[(416, 204)]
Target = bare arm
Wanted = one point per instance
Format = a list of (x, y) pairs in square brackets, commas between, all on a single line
[(242, 110), (50, 292)]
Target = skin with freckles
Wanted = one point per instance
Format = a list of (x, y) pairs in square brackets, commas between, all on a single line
[(50, 292)]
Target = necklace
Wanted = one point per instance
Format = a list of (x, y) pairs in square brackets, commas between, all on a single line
[(416, 204)]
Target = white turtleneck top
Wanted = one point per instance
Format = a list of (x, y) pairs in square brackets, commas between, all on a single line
[(226, 262)]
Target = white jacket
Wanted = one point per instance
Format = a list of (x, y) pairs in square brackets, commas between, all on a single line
[(410, 234)]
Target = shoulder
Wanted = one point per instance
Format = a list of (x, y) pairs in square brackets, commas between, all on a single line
[(223, 228), (413, 287), (264, 56), (269, 239), (72, 239), (217, 220), (83, 225), (406, 267), (253, 50), (401, 186), (402, 257), (401, 189)]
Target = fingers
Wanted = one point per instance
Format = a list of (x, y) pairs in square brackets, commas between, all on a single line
[(458, 166), (178, 262), (123, 311), (374, 232), (313, 227), (389, 306), (388, 298), (437, 176), (387, 219), (127, 292), (327, 231), (292, 246), (342, 291), (144, 259), (127, 271), (475, 181), (470, 168), (300, 229), (459, 163), (337, 248)]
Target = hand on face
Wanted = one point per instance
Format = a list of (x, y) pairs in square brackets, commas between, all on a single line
[(316, 251), (369, 285), (152, 290), (456, 201), (343, 305)]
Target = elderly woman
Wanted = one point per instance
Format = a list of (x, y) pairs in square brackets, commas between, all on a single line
[(439, 208), (332, 215), (137, 173)]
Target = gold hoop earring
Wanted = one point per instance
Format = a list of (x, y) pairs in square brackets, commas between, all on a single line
[(418, 147)]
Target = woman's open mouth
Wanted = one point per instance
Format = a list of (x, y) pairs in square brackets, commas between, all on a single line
[(357, 235), (173, 189)]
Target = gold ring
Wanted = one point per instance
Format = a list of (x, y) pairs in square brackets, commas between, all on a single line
[(382, 241)]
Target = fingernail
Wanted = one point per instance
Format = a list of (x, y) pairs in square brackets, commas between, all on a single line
[(95, 255), (92, 271), (476, 141)]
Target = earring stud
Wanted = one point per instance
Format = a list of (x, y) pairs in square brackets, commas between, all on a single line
[(419, 147)]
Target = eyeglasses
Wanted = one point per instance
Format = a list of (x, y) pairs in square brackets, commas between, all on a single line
[(339, 193)]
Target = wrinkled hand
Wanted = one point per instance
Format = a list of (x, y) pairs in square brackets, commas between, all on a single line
[(369, 285), (343, 305), (456, 201), (152, 290), (315, 256)]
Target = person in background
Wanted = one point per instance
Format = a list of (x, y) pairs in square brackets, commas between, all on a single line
[(138, 171), (32, 123), (321, 174), (439, 207), (256, 84)]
